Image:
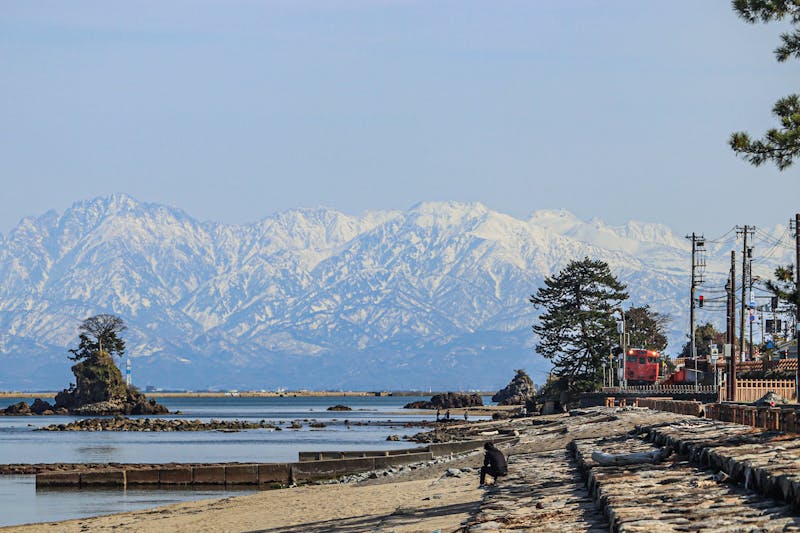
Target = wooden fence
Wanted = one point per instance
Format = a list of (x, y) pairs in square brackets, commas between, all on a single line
[(750, 390), (664, 389)]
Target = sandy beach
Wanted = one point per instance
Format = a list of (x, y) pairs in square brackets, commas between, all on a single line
[(433, 501)]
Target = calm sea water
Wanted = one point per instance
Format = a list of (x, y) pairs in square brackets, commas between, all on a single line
[(19, 443)]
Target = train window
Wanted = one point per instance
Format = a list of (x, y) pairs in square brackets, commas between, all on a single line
[(632, 359), (652, 360), (642, 360)]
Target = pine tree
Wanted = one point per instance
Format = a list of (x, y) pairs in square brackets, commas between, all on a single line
[(704, 335), (577, 329), (785, 288), (99, 333), (779, 145)]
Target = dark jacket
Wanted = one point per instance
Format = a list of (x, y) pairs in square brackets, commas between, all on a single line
[(496, 461)]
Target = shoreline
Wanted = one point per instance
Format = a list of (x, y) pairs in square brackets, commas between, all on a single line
[(250, 394), (413, 497)]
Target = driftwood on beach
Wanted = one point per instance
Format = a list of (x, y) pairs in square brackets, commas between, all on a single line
[(610, 459)]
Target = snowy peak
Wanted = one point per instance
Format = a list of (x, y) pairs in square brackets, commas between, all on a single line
[(632, 238), (311, 297)]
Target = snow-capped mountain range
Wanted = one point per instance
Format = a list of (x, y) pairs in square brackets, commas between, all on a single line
[(432, 297)]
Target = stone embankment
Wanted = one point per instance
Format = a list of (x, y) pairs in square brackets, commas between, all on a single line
[(121, 423), (683, 473)]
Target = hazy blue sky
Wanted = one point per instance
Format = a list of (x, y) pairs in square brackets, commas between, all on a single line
[(234, 109)]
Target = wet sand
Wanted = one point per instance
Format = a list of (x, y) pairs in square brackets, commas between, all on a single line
[(434, 501)]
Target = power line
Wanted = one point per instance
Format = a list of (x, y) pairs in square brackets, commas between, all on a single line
[(721, 239)]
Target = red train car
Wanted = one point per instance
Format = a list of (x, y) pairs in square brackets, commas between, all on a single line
[(641, 366)]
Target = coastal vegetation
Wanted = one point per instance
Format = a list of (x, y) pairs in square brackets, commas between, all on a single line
[(99, 387), (779, 145), (577, 329), (647, 328)]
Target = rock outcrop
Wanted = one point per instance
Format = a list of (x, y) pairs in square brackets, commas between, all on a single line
[(771, 399), (339, 407), (99, 390), (519, 391), (38, 407), (448, 400), (121, 423)]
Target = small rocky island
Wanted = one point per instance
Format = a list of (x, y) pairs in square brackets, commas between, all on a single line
[(448, 400), (519, 391), (99, 389)]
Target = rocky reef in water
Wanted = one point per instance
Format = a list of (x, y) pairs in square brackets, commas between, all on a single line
[(448, 400), (99, 390), (122, 423)]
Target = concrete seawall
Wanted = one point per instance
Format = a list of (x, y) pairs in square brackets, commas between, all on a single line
[(312, 466)]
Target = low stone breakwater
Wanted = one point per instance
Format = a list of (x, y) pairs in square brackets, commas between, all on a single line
[(121, 423)]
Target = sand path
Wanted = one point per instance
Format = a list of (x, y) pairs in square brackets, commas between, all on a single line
[(424, 505)]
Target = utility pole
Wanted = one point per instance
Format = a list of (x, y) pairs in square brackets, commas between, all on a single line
[(797, 308), (730, 382), (728, 309), (751, 306), (746, 252), (698, 243)]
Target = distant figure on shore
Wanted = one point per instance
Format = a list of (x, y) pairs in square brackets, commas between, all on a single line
[(447, 415), (494, 463), (466, 416), (437, 414)]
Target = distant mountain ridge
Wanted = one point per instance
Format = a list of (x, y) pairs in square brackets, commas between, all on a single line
[(435, 296)]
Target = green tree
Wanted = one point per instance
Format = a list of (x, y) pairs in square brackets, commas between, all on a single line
[(704, 335), (779, 145), (784, 287), (99, 333), (577, 329), (647, 328)]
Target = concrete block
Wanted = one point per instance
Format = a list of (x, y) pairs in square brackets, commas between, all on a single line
[(175, 476), (418, 449), (105, 478), (141, 476), (208, 475), (58, 479), (447, 448), (241, 474), (397, 460), (331, 468), (274, 474)]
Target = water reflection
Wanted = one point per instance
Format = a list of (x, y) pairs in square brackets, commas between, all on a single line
[(95, 454), (50, 504)]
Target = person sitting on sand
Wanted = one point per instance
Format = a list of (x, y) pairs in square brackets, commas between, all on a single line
[(494, 463)]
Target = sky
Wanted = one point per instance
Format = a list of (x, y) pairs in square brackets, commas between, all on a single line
[(233, 110)]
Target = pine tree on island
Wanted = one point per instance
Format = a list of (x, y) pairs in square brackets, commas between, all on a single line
[(577, 329), (99, 387)]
